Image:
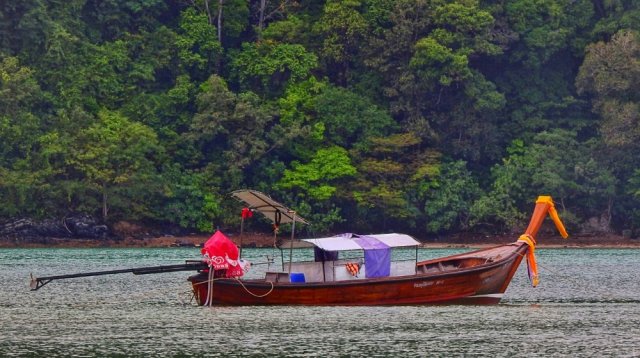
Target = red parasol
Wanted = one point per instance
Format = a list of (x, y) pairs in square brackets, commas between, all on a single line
[(222, 254)]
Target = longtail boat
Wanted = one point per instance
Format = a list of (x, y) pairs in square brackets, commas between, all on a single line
[(477, 277)]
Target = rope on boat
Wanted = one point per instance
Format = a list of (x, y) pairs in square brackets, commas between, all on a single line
[(253, 294), (210, 281), (209, 287), (532, 266)]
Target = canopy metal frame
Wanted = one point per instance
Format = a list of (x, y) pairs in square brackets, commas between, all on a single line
[(274, 211)]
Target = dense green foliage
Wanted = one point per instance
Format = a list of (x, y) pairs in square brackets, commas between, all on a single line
[(421, 116)]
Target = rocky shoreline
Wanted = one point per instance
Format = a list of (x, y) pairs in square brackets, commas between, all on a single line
[(83, 231), (74, 226)]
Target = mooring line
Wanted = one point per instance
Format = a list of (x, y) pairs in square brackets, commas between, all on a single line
[(241, 284)]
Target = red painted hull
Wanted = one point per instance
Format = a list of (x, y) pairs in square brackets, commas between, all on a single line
[(481, 278)]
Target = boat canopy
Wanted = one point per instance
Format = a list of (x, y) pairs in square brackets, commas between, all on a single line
[(271, 209), (350, 241)]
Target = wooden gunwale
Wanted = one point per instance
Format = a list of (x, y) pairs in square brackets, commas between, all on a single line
[(261, 283)]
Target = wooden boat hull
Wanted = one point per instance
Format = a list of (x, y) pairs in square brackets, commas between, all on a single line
[(483, 283)]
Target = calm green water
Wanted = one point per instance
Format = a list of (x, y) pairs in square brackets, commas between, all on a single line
[(587, 304)]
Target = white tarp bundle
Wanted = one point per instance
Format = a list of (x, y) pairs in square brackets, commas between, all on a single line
[(356, 242)]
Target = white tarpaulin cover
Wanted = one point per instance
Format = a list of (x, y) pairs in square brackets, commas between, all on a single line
[(336, 243), (396, 240), (270, 208), (355, 242)]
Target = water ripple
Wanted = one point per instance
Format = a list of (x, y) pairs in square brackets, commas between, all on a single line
[(586, 305)]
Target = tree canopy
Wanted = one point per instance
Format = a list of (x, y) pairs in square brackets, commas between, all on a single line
[(422, 116)]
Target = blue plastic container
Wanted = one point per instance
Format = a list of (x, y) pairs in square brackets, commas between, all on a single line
[(296, 277)]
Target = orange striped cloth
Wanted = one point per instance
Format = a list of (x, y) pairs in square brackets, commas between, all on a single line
[(353, 268)]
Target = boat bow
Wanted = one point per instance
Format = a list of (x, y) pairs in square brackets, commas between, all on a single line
[(544, 207)]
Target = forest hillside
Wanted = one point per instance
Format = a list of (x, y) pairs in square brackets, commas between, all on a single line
[(428, 117)]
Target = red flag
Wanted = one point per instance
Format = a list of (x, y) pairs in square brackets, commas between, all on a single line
[(246, 213)]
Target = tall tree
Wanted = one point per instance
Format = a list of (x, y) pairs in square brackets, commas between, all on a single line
[(394, 172), (611, 75), (555, 162), (230, 129), (318, 181), (268, 67), (343, 28), (613, 16), (111, 19), (24, 171), (268, 10), (199, 50), (115, 154), (424, 58), (448, 202)]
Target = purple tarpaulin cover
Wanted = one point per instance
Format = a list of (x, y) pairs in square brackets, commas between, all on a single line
[(377, 248), (377, 256), (369, 243)]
